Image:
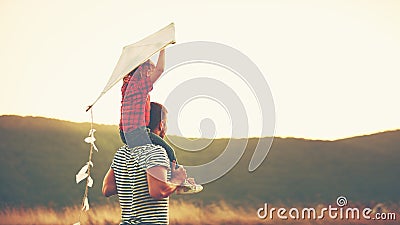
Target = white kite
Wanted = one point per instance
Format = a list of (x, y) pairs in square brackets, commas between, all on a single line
[(135, 54)]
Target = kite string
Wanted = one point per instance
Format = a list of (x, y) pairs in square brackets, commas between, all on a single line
[(85, 195)]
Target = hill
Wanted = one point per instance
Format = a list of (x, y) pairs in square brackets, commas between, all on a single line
[(40, 157)]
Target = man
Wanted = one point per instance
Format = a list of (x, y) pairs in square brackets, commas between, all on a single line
[(144, 193)]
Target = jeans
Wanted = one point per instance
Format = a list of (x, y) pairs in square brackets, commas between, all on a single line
[(155, 139), (137, 137)]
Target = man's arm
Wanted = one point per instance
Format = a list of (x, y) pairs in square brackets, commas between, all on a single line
[(159, 67), (109, 186), (159, 187)]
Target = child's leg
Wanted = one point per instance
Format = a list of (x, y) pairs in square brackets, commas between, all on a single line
[(188, 187), (122, 136), (157, 140), (137, 137)]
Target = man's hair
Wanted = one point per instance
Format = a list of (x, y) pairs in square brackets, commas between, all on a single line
[(157, 113)]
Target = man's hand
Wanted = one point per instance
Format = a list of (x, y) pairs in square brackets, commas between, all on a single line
[(159, 186), (178, 175)]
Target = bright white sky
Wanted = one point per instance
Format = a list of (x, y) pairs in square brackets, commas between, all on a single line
[(332, 66)]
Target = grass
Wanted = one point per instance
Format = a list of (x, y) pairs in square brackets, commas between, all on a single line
[(46, 154), (181, 213)]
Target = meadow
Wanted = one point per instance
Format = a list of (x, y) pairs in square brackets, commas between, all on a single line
[(184, 213), (41, 156)]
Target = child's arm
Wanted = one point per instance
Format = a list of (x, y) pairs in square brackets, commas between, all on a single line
[(159, 67)]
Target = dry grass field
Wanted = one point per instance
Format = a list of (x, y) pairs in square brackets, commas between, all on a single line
[(181, 213)]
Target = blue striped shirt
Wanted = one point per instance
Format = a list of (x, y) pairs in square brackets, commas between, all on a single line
[(130, 167)]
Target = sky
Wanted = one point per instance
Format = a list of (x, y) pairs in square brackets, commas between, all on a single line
[(332, 66)]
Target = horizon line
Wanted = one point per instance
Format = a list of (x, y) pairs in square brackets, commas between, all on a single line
[(251, 137)]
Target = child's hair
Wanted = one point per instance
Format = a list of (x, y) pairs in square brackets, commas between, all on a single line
[(148, 63), (133, 71)]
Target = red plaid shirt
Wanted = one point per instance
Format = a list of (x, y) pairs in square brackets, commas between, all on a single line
[(135, 103)]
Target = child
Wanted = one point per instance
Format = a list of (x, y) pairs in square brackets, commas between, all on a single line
[(135, 106), (135, 112)]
